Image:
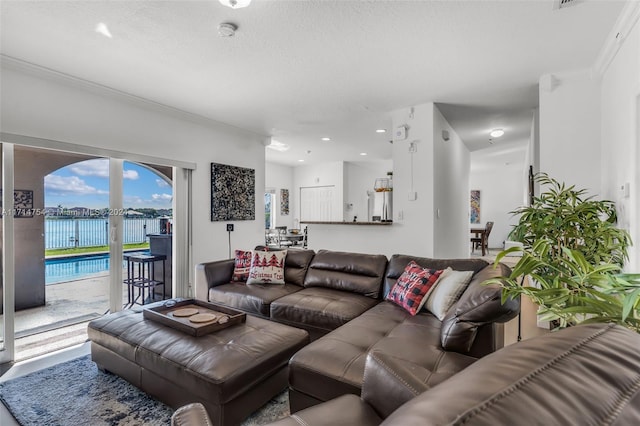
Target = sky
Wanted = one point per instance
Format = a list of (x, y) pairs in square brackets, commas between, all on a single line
[(86, 184)]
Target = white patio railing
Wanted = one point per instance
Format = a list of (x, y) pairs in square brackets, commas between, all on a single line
[(69, 233)]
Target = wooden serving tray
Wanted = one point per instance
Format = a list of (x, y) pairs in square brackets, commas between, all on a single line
[(163, 313)]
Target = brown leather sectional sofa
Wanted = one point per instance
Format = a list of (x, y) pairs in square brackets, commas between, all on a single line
[(582, 375), (339, 298), (322, 291)]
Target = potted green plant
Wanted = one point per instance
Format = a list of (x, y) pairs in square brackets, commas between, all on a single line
[(573, 254)]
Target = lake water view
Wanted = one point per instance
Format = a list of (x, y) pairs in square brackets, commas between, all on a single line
[(69, 233)]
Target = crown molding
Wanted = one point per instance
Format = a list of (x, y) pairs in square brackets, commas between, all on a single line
[(55, 145), (16, 64), (621, 30)]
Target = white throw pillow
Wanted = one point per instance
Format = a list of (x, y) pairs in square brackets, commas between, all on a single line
[(267, 267), (447, 291)]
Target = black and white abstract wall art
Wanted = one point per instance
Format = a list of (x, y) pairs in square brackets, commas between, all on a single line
[(233, 193)]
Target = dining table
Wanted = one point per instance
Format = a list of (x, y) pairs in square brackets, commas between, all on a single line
[(294, 238)]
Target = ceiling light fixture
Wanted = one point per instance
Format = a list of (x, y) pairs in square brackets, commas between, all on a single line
[(235, 4), (227, 29), (381, 131), (363, 153), (326, 139), (301, 161), (496, 133)]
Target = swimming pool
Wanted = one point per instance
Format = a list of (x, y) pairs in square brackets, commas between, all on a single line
[(73, 268)]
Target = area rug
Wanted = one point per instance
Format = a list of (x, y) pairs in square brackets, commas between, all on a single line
[(77, 393)]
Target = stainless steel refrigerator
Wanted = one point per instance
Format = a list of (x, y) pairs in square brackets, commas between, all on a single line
[(380, 206)]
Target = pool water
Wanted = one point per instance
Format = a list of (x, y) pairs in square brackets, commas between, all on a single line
[(75, 268)]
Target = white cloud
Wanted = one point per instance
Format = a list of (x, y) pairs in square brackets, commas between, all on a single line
[(100, 168), (60, 185), (130, 174), (156, 201), (162, 183), (162, 197)]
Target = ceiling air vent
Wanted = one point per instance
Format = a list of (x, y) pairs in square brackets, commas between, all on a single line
[(561, 4)]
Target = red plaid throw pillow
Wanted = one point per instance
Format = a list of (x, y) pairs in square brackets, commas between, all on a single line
[(242, 265), (412, 286)]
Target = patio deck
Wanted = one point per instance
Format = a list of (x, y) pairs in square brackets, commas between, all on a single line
[(62, 322)]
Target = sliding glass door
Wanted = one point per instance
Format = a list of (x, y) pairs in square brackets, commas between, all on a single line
[(37, 175)]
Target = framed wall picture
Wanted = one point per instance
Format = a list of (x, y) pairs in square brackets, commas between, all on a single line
[(475, 206), (233, 193), (284, 202), (22, 203)]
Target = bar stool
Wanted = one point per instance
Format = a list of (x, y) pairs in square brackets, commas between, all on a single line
[(144, 278)]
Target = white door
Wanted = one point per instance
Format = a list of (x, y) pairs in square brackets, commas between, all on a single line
[(316, 203)]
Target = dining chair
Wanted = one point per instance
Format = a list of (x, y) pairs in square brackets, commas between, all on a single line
[(482, 241), (272, 238), (304, 238)]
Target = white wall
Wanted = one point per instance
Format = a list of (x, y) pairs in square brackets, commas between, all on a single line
[(502, 176), (590, 124), (37, 104), (414, 220), (501, 191), (620, 133), (360, 177), (316, 175), (570, 128), (353, 179), (280, 177), (413, 230), (451, 191)]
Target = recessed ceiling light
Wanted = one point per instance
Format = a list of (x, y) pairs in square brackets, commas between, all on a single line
[(496, 133), (326, 139), (381, 131), (363, 153), (102, 28), (301, 161)]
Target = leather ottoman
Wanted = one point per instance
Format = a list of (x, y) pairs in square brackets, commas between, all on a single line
[(232, 372)]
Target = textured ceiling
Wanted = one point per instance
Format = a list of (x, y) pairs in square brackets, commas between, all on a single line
[(302, 70)]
